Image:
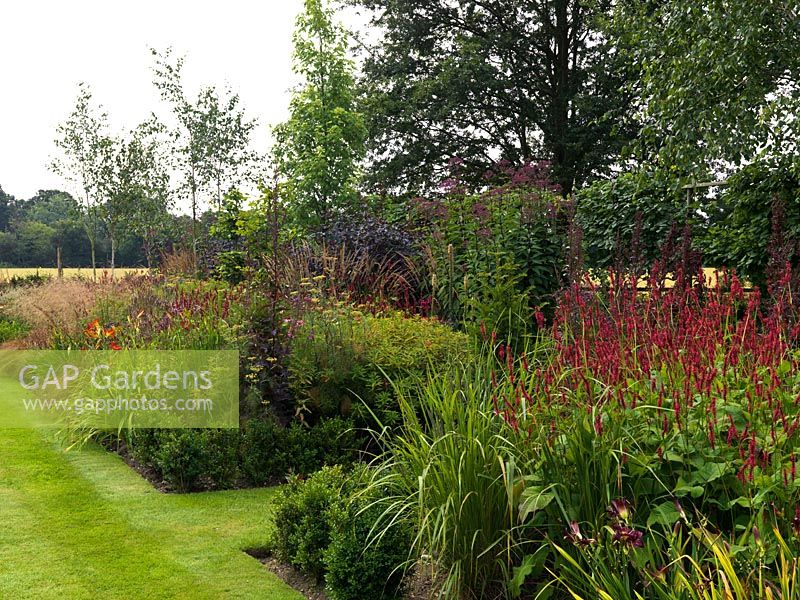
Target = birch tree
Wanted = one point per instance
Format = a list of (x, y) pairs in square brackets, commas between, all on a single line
[(82, 140), (211, 138)]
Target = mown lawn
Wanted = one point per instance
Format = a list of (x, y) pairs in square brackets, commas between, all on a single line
[(82, 524)]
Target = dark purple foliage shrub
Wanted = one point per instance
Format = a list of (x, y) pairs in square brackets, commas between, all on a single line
[(366, 233)]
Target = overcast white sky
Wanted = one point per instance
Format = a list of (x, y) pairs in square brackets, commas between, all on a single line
[(48, 46)]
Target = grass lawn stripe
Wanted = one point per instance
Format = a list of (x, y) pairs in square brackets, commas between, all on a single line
[(84, 525)]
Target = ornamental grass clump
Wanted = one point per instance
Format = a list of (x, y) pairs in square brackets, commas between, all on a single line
[(453, 476)]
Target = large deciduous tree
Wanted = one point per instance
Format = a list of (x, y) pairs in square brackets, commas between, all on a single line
[(318, 149), (35, 244), (718, 82), (50, 207), (487, 80)]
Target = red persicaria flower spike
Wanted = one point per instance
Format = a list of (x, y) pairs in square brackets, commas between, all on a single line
[(539, 316)]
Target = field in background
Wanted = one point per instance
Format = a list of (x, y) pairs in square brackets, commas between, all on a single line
[(86, 273), (709, 272)]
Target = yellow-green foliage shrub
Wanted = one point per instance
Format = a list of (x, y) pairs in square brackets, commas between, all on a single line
[(354, 364)]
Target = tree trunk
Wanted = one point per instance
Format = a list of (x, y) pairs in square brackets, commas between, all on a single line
[(94, 260), (194, 217), (59, 266), (113, 254), (560, 114), (91, 231)]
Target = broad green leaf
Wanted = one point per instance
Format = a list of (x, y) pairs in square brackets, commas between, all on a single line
[(664, 514), (533, 499)]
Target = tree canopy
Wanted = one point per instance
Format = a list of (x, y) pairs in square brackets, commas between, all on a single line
[(210, 137), (318, 149), (82, 142), (483, 81), (6, 203), (716, 81)]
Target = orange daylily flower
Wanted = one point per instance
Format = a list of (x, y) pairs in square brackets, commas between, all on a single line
[(93, 329)]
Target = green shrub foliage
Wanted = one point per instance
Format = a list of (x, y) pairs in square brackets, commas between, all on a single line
[(330, 442), (353, 364), (761, 203), (303, 530), (186, 458), (262, 452), (264, 456), (361, 565), (325, 528), (628, 218), (11, 329)]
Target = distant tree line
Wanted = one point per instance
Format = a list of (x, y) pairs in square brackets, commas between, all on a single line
[(34, 231)]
